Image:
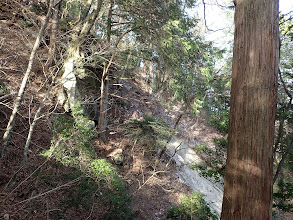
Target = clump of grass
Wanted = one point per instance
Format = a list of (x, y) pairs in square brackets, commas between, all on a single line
[(191, 207)]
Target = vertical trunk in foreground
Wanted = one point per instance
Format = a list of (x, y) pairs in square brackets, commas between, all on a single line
[(249, 169)]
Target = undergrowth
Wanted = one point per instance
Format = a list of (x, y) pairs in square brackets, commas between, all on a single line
[(221, 142), (208, 172), (220, 121), (72, 147), (150, 132), (199, 148), (283, 194), (4, 89), (191, 207)]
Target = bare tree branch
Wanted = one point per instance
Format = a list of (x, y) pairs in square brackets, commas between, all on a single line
[(19, 97)]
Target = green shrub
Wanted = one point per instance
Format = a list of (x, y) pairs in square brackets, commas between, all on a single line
[(197, 104), (284, 194), (220, 123), (191, 207), (83, 195), (72, 142), (4, 89), (206, 172), (202, 148), (221, 142), (149, 131), (72, 147)]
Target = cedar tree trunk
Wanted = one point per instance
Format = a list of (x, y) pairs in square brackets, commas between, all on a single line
[(249, 169)]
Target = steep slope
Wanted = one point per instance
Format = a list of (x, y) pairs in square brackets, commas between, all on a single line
[(43, 188)]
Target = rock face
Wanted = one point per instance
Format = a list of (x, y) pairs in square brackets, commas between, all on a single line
[(184, 157), (69, 81), (80, 87)]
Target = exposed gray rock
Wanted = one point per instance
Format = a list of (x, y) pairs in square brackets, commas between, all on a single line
[(184, 157)]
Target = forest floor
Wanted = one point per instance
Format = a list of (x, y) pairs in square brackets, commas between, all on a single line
[(25, 194), (153, 193), (38, 189)]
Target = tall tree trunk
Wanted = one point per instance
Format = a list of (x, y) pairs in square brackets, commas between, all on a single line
[(249, 167), (21, 90)]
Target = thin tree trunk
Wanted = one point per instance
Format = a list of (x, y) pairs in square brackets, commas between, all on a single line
[(109, 22), (19, 97), (281, 128), (90, 19), (280, 165), (36, 118), (105, 84), (184, 111), (53, 36), (103, 106), (249, 167)]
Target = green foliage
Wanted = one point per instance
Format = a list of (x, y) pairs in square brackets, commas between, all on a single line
[(221, 142), (217, 99), (4, 89), (72, 147), (196, 106), (201, 148), (220, 122), (283, 190), (149, 131), (117, 200), (191, 207), (72, 141), (284, 194), (83, 195), (207, 172)]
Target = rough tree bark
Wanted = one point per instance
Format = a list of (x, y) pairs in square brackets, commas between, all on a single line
[(249, 168), (19, 97)]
